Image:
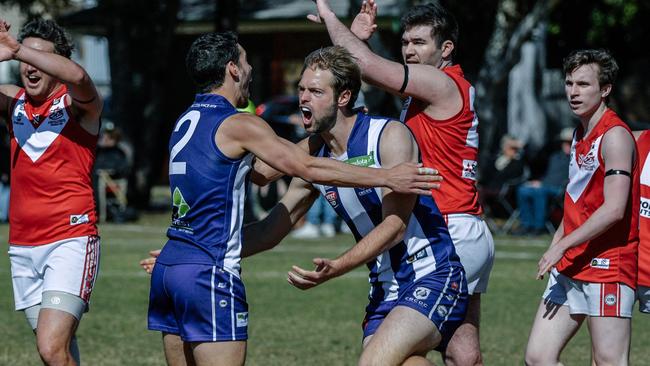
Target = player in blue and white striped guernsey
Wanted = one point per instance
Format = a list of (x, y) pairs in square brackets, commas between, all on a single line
[(418, 294), (197, 298)]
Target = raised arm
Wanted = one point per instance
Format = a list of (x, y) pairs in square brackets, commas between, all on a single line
[(269, 232), (425, 82), (618, 152), (86, 102), (245, 132), (397, 146)]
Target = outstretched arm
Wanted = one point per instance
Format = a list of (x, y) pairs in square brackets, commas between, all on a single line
[(86, 102), (397, 146), (425, 82), (245, 132), (618, 153)]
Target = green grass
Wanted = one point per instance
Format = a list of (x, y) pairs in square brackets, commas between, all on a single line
[(287, 326)]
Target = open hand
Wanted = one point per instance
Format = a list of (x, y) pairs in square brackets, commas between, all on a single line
[(148, 263), (304, 280), (8, 44), (363, 25)]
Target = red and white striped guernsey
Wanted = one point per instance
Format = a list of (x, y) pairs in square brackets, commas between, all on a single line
[(52, 157), (612, 256), (451, 147), (643, 146)]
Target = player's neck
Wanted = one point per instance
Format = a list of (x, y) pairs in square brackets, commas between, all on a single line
[(589, 122), (337, 137)]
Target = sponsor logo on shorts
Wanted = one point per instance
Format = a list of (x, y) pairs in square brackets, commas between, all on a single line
[(419, 255), (222, 285), (331, 197), (442, 311), (79, 219), (610, 299), (242, 319), (454, 285), (469, 169), (421, 293), (223, 303), (602, 263), (644, 210), (55, 300)]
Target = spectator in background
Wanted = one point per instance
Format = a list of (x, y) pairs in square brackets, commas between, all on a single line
[(533, 196), (506, 167)]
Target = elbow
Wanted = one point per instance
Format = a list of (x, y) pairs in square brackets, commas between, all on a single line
[(617, 214), (79, 77)]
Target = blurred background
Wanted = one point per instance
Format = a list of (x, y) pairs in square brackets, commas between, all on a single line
[(511, 50)]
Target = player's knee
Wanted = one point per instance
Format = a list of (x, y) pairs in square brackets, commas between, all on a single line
[(464, 357), (609, 357), (53, 353), (534, 358)]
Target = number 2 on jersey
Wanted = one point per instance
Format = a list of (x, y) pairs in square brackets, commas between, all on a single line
[(178, 167)]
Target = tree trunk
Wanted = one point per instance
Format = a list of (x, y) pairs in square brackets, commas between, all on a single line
[(140, 37)]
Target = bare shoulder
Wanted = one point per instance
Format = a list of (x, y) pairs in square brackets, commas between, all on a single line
[(618, 134), (396, 132)]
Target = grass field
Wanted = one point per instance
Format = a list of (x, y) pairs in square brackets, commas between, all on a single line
[(287, 326)]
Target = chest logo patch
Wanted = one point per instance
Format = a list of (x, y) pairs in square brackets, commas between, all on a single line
[(582, 168)]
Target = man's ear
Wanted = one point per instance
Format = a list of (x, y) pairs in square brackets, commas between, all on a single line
[(447, 49), (233, 70), (605, 90), (344, 98)]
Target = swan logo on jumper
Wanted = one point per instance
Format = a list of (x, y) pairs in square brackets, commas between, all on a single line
[(469, 169), (332, 197), (588, 161)]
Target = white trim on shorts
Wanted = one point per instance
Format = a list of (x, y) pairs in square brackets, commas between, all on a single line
[(590, 298), (68, 265), (475, 248)]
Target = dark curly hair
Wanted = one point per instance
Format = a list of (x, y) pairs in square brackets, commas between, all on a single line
[(49, 31)]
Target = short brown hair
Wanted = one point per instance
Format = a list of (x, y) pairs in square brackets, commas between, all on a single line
[(607, 66), (343, 66)]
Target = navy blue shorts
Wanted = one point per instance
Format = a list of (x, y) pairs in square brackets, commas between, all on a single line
[(441, 296), (201, 303)]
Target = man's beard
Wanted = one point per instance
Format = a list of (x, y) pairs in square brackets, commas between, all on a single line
[(326, 122)]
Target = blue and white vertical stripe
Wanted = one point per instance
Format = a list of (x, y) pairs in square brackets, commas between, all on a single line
[(426, 246)]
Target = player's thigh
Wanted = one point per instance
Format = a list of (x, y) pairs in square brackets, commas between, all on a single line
[(465, 340), (610, 338), (232, 353), (404, 332), (177, 352), (475, 248), (72, 266), (55, 329), (552, 329)]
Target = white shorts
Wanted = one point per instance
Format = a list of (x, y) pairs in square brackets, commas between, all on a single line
[(590, 298), (643, 294), (475, 247), (68, 265)]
